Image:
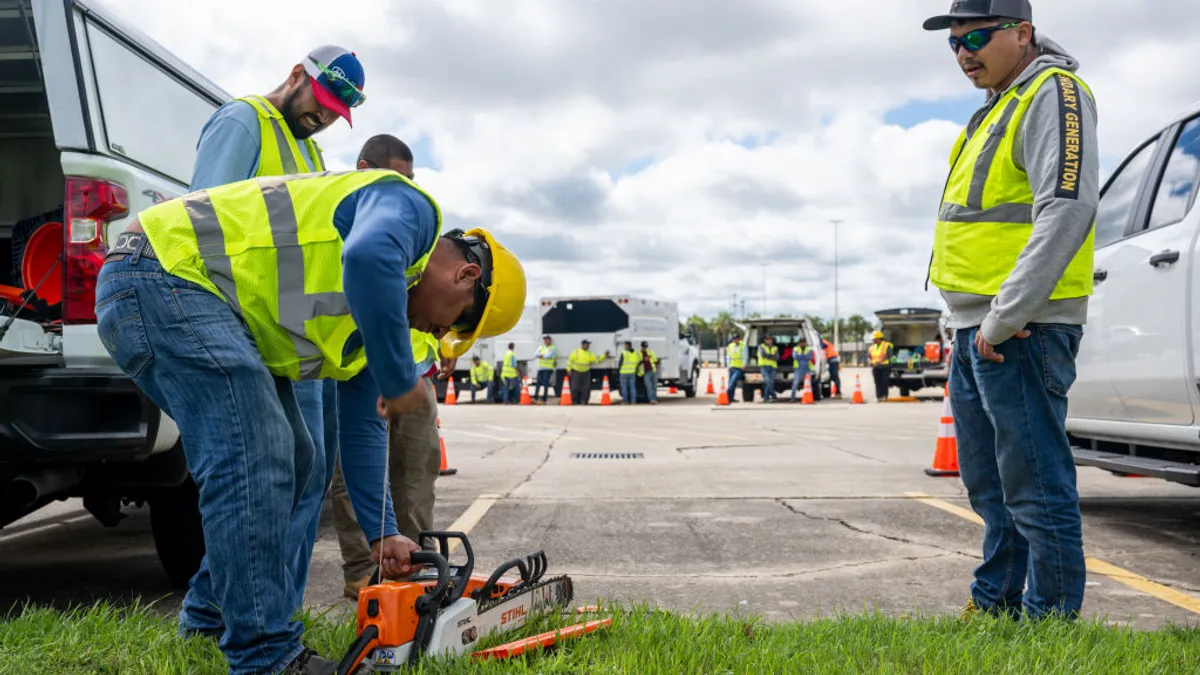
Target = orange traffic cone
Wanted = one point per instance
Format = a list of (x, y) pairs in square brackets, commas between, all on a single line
[(451, 396), (945, 455), (723, 396), (565, 399), (710, 387), (833, 392), (525, 398), (444, 469), (605, 395), (858, 395), (807, 396)]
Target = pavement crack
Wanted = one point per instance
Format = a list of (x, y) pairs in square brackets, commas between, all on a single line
[(549, 449), (681, 448), (498, 448), (760, 575), (856, 454), (870, 533)]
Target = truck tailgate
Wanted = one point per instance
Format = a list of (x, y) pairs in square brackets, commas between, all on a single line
[(23, 339)]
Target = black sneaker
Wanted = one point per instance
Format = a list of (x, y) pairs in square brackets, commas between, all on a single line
[(308, 663)]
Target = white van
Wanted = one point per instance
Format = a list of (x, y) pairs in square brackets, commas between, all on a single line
[(99, 122), (1133, 406)]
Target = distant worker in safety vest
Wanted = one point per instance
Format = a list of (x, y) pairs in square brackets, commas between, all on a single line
[(768, 364), (272, 135), (803, 360), (736, 351), (510, 376), (214, 303), (547, 354), (834, 362), (483, 376), (1012, 256), (880, 353), (580, 366), (628, 372), (648, 371)]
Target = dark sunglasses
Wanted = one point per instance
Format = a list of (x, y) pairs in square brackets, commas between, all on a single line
[(978, 38), (477, 251)]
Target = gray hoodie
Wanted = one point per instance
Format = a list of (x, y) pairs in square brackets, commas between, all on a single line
[(1061, 223)]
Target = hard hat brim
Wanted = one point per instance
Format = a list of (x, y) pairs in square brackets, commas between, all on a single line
[(456, 343)]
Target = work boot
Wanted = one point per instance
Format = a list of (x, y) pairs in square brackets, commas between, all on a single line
[(308, 663), (353, 587)]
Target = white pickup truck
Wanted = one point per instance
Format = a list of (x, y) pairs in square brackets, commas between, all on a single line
[(100, 122), (1133, 407)]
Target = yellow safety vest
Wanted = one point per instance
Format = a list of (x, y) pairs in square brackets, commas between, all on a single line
[(766, 356), (581, 360), (509, 370), (424, 349), (737, 355), (629, 362), (641, 369), (986, 216), (482, 373), (546, 357), (878, 352), (268, 247), (282, 156)]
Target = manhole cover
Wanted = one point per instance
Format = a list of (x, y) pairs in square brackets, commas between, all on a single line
[(606, 455)]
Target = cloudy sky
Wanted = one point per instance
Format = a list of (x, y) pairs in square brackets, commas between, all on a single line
[(667, 148)]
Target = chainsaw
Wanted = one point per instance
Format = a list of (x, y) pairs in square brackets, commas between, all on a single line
[(444, 609)]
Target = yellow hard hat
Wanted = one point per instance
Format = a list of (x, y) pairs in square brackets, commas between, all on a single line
[(878, 335), (499, 292)]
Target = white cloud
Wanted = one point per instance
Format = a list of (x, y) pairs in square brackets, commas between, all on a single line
[(600, 136)]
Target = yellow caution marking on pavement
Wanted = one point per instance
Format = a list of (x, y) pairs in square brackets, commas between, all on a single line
[(471, 517), (1124, 576)]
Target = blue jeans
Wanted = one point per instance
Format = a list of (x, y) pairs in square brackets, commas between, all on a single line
[(490, 387), (544, 385), (650, 379), (797, 381), (629, 387), (768, 387), (735, 374), (1015, 461), (511, 393), (835, 380), (246, 446)]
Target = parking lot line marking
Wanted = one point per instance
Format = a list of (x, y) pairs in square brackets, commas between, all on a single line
[(1119, 574), (644, 437), (698, 432), (452, 432), (471, 517)]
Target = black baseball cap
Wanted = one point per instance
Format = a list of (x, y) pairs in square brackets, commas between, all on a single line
[(966, 10)]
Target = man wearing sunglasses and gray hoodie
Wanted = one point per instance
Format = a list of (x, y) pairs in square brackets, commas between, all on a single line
[(1012, 256)]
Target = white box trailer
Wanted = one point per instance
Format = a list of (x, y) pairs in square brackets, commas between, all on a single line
[(524, 338), (608, 321)]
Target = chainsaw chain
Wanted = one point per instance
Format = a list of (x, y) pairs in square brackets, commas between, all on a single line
[(563, 581)]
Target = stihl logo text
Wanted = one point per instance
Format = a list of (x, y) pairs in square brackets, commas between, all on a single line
[(512, 615)]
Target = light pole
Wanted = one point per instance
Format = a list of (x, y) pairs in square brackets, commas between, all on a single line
[(836, 335)]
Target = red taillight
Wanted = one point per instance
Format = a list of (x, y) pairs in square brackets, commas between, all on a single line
[(89, 206)]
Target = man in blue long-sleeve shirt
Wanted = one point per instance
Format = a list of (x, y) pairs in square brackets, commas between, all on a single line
[(189, 322)]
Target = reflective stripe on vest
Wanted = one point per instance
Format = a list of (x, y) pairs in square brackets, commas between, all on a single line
[(766, 356), (641, 368), (581, 360), (283, 156), (269, 247), (805, 356), (877, 352), (629, 362), (986, 216), (482, 373), (509, 369), (546, 357), (737, 355), (831, 352)]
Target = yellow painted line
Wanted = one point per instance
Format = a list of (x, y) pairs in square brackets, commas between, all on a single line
[(471, 517), (1124, 576)]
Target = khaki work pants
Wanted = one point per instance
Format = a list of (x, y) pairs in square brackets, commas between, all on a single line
[(414, 458)]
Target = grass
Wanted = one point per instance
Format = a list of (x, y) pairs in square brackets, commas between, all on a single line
[(106, 639)]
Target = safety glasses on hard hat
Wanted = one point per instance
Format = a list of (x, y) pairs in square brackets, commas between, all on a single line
[(978, 38), (346, 91), (475, 250)]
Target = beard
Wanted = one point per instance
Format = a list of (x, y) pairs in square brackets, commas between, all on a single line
[(299, 131)]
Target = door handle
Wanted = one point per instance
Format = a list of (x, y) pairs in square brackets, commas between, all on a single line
[(1166, 257), (1100, 275)]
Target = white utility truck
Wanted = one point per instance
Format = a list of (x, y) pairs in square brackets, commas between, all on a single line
[(1132, 408), (100, 123), (608, 321), (525, 340)]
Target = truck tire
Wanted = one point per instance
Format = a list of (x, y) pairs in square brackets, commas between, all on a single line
[(178, 536), (689, 391)]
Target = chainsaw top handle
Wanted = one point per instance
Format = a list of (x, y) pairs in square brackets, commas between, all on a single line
[(435, 596)]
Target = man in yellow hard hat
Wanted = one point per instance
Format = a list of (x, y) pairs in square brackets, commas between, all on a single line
[(215, 302), (880, 353)]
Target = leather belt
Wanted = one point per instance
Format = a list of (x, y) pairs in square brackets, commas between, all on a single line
[(131, 243)]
